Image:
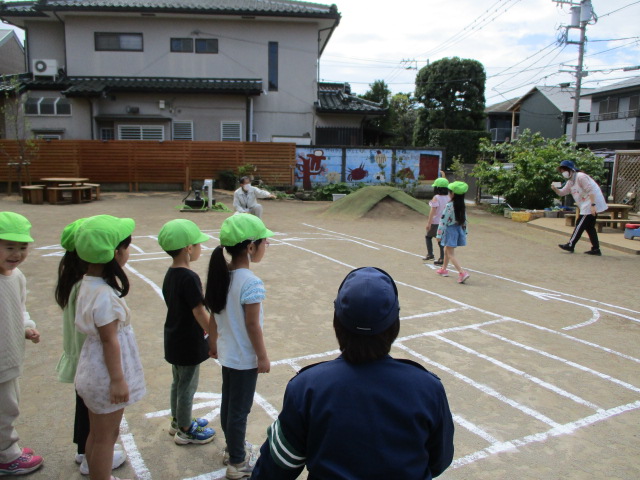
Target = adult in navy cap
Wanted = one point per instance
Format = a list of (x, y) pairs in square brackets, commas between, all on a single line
[(588, 198), (364, 415)]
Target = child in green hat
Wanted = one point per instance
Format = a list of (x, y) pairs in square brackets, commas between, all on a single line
[(234, 295), (16, 325), (452, 231), (109, 374), (70, 272), (187, 322), (437, 204)]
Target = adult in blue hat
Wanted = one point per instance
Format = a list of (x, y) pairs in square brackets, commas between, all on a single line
[(588, 198), (331, 409)]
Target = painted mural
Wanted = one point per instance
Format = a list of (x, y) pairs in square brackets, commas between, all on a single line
[(320, 165)]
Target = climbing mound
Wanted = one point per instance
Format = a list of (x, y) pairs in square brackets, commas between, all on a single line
[(361, 202)]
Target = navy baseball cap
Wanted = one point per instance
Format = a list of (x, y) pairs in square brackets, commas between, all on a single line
[(568, 164), (367, 301)]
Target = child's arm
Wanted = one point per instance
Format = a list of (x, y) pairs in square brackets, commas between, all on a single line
[(119, 390), (252, 321), (213, 337), (432, 213), (202, 317)]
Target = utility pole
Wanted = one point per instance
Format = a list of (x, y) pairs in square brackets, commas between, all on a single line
[(582, 13)]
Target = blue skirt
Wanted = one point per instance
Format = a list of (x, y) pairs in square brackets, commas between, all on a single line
[(454, 236)]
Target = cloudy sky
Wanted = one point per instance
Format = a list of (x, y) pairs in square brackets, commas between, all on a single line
[(515, 40)]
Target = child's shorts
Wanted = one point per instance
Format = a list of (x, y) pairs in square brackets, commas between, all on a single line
[(454, 236)]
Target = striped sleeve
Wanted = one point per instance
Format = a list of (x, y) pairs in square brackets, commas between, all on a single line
[(282, 452)]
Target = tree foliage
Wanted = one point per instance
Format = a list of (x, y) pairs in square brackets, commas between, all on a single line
[(535, 162), (452, 92), (403, 114), (378, 92)]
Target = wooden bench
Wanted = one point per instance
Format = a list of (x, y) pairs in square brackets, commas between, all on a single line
[(601, 222), (95, 190), (570, 219), (79, 193), (33, 194)]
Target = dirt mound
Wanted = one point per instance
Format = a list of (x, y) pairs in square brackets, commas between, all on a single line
[(391, 209), (361, 202)]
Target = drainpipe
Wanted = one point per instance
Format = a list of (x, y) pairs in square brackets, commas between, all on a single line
[(251, 119), (92, 120)]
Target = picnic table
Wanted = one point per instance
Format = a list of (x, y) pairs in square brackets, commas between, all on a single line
[(615, 216), (56, 187)]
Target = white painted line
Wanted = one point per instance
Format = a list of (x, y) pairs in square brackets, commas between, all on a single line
[(483, 388), (155, 287), (135, 459), (196, 406), (270, 409), (570, 363), (474, 429), (554, 432), (520, 373), (210, 476)]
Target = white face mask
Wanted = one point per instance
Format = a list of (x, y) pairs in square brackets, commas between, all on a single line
[(566, 174), (246, 187)]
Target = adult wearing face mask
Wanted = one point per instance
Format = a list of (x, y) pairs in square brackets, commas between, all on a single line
[(245, 198), (588, 198)]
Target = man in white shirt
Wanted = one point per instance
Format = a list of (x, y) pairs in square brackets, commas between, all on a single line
[(245, 198), (588, 198)]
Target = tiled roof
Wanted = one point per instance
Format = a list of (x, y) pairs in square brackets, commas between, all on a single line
[(229, 7), (95, 86), (335, 98), (501, 107)]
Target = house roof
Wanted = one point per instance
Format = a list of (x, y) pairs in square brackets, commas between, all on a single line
[(501, 107), (562, 98), (337, 98), (97, 86), (632, 83)]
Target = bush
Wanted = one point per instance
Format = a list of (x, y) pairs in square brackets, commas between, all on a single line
[(463, 144), (325, 192), (535, 162), (227, 179)]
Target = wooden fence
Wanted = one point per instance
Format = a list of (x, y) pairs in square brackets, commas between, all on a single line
[(149, 162)]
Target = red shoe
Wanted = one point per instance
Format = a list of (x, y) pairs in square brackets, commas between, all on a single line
[(442, 272), (25, 463), (27, 451)]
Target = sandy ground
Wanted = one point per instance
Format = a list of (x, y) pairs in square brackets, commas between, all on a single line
[(538, 351)]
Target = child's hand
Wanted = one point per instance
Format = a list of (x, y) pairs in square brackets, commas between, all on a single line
[(32, 334), (264, 365), (213, 347), (119, 391)]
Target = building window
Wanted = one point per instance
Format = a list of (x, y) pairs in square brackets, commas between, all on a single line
[(206, 45), (273, 66), (183, 130), (231, 131), (182, 45), (608, 108), (48, 136), (47, 106), (140, 132), (634, 106), (118, 42), (107, 133)]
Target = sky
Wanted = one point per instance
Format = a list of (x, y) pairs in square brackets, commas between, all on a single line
[(515, 40)]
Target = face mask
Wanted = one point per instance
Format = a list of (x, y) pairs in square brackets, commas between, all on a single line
[(246, 187), (566, 174)]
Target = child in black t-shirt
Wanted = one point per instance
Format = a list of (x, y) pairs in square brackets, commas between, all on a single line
[(185, 346)]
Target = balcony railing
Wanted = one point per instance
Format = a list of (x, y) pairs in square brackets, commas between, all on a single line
[(608, 116)]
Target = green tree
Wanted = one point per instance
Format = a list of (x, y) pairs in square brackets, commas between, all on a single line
[(452, 92), (377, 128), (535, 159), (403, 114)]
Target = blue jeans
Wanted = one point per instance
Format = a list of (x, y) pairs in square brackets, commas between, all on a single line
[(183, 388), (238, 387)]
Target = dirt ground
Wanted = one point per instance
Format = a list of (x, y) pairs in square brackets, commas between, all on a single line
[(538, 351)]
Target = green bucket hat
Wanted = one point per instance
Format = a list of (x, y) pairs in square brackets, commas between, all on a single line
[(97, 238), (441, 182), (240, 227), (180, 233), (67, 239), (459, 188), (15, 228)]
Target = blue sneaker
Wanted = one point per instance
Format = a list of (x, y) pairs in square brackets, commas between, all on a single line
[(196, 434), (173, 429)]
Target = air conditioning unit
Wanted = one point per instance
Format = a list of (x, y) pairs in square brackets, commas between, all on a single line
[(44, 67)]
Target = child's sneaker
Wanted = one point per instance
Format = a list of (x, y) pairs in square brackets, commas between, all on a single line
[(249, 451), (173, 429), (440, 261), (119, 457), (196, 434), (442, 272), (25, 463), (462, 276), (429, 257)]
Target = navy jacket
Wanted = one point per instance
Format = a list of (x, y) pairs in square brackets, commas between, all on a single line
[(384, 419)]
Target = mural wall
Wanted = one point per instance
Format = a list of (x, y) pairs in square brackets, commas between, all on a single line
[(322, 165)]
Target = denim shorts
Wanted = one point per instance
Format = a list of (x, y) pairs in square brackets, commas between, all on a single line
[(454, 236)]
